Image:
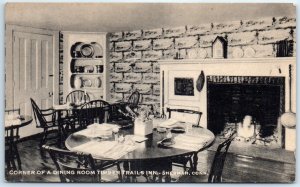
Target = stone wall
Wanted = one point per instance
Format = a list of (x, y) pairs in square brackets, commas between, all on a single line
[(134, 54)]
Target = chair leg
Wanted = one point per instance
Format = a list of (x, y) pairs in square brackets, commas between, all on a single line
[(120, 172), (195, 162), (184, 167), (42, 142), (12, 156), (16, 152), (191, 166)]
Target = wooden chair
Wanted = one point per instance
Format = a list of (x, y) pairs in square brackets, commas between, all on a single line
[(95, 111), (215, 174), (47, 120), (12, 155), (78, 167), (77, 96), (121, 113), (182, 161), (193, 112)]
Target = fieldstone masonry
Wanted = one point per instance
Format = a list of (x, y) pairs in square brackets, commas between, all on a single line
[(141, 49), (134, 54)]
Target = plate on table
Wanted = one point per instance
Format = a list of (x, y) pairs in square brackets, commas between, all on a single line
[(167, 142), (161, 129), (178, 129)]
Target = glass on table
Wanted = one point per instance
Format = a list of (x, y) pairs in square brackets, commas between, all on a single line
[(129, 140), (169, 134), (188, 127), (115, 133), (121, 138)]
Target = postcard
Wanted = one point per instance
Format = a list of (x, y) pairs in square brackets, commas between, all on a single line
[(150, 92)]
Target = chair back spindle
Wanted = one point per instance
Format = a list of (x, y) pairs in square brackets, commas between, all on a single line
[(77, 96), (93, 112)]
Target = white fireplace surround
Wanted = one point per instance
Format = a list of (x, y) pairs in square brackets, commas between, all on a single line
[(191, 68)]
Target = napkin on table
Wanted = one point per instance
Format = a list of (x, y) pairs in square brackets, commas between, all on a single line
[(105, 149)]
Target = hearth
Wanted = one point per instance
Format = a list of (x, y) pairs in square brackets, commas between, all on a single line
[(249, 105)]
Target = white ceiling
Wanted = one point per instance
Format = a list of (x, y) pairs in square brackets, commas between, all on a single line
[(112, 17)]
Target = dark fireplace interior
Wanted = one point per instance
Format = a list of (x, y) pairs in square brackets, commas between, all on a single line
[(230, 99)]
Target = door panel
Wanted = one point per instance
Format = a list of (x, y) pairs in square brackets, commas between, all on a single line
[(32, 73)]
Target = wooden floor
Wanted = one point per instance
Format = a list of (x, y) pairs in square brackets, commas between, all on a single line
[(238, 168)]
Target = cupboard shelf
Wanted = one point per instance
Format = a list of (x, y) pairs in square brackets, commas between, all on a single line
[(87, 58), (92, 71), (87, 74)]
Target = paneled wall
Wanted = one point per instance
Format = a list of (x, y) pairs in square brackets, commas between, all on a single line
[(134, 54)]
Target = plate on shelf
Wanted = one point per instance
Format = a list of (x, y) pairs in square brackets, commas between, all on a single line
[(202, 53), (98, 82), (87, 50), (98, 50), (249, 52), (89, 69), (192, 54), (75, 49), (87, 83), (237, 53)]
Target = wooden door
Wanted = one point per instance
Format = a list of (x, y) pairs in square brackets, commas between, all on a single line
[(33, 69)]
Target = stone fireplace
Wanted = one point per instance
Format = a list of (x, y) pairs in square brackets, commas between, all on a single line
[(235, 91)]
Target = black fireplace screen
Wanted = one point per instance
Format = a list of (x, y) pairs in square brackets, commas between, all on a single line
[(230, 99)]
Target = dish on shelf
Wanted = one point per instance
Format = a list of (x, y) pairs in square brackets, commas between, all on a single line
[(98, 82), (98, 50), (77, 82), (75, 49), (87, 50), (89, 69), (202, 53), (238, 53), (192, 54), (249, 52), (87, 83)]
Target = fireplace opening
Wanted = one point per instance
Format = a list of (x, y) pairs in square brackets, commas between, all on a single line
[(248, 105)]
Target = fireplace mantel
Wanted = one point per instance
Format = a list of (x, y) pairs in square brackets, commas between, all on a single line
[(191, 68), (228, 60)]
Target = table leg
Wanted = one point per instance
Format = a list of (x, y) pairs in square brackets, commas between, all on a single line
[(195, 162)]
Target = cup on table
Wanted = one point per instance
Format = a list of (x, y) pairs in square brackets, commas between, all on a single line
[(93, 129)]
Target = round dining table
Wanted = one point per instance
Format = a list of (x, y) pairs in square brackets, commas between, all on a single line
[(11, 138), (24, 120), (149, 150)]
